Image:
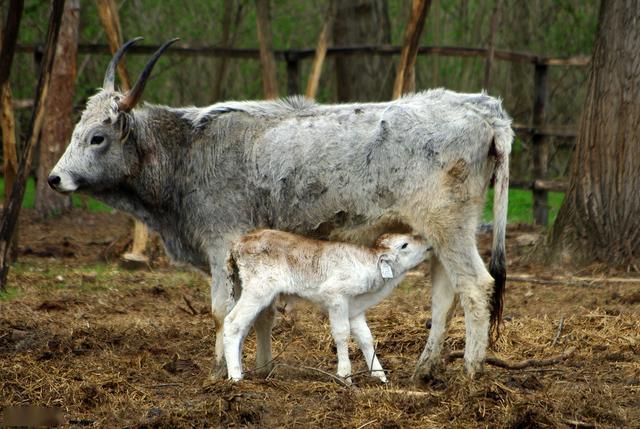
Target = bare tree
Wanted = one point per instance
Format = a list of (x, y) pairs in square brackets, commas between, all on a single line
[(232, 15), (267, 59), (405, 76), (362, 77), (12, 210), (600, 217), (58, 122), (7, 119), (321, 51)]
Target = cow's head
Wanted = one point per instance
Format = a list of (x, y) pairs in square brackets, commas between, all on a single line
[(101, 154)]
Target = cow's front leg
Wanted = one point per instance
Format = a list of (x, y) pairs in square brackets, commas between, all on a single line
[(221, 304)]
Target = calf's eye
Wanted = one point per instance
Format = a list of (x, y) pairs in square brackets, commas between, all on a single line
[(404, 246), (97, 139)]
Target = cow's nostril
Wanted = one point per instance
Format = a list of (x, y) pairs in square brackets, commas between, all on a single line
[(53, 181)]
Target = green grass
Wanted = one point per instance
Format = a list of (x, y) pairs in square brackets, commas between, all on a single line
[(30, 197), (10, 294), (521, 206)]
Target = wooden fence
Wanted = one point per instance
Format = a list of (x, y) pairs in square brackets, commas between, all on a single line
[(537, 132)]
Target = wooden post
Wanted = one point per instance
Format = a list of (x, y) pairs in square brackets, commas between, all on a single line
[(232, 14), (108, 10), (540, 145), (10, 160), (405, 75), (12, 211), (293, 74), (58, 123), (488, 65), (267, 59), (111, 22), (7, 119), (321, 52)]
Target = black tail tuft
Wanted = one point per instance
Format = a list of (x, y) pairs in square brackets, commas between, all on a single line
[(498, 270)]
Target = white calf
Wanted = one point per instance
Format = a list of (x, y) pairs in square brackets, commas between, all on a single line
[(343, 279)]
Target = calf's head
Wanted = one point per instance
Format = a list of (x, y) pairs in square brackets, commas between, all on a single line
[(101, 154), (402, 250)]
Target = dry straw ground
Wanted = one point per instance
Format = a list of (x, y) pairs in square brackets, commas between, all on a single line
[(114, 348)]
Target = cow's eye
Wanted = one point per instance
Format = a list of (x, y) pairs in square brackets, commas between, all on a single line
[(97, 139), (404, 246)]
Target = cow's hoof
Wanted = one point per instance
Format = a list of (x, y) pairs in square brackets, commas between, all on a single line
[(426, 371), (265, 370), (219, 372), (474, 370)]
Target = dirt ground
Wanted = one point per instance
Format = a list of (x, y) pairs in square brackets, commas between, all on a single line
[(118, 348)]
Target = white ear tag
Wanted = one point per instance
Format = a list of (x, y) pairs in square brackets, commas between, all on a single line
[(385, 270)]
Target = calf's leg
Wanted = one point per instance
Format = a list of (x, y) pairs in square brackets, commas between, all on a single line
[(236, 326), (363, 337), (339, 319)]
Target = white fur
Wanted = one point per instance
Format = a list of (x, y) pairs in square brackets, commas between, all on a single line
[(342, 279)]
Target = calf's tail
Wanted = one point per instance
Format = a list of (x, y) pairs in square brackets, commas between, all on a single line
[(497, 267)]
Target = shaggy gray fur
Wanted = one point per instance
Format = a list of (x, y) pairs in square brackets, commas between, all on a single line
[(203, 176)]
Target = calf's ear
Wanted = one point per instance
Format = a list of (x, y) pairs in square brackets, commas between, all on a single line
[(384, 265), (387, 257)]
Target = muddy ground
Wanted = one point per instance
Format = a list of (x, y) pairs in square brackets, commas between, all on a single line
[(118, 348)]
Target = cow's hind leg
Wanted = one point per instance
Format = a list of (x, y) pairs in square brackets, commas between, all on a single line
[(221, 303), (473, 283), (442, 309), (263, 326)]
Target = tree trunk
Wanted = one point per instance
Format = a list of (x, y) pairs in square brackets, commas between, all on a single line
[(7, 119), (599, 220), (362, 77), (58, 123), (110, 19), (232, 15), (12, 210), (108, 11), (406, 76), (267, 59), (321, 52)]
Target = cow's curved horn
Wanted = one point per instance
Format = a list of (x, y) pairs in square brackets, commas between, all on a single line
[(131, 99), (110, 76)]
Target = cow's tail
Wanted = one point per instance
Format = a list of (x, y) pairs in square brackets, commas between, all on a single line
[(497, 267)]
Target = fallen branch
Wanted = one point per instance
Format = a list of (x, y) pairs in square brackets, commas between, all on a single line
[(335, 378), (579, 424), (580, 281), (414, 393), (193, 310), (496, 361)]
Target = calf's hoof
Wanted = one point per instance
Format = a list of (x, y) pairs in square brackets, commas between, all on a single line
[(380, 375)]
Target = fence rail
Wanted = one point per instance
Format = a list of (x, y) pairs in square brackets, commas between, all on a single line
[(538, 132)]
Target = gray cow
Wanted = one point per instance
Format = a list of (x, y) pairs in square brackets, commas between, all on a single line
[(201, 177)]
